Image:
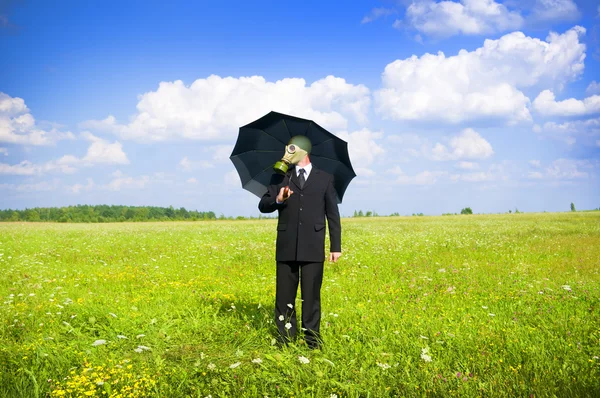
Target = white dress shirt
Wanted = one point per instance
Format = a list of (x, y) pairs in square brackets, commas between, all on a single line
[(307, 170)]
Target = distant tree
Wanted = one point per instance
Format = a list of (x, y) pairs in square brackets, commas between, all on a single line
[(573, 206), (130, 213), (517, 211), (509, 211), (360, 213), (369, 214), (32, 215), (466, 210), (355, 214)]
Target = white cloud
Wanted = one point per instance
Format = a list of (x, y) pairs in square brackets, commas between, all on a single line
[(363, 149), (396, 170), (535, 163), (422, 178), (192, 181), (232, 179), (220, 153), (546, 104), (188, 165), (364, 172), (598, 143), (4, 151), (593, 88), (554, 10), (27, 168), (18, 126), (78, 188), (377, 13), (584, 131), (470, 17), (535, 175), (479, 176), (103, 152), (467, 165), (466, 145), (123, 182), (99, 152), (214, 108), (484, 83), (568, 169), (565, 170), (43, 186)]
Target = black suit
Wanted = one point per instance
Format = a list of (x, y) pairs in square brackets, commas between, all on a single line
[(301, 246)]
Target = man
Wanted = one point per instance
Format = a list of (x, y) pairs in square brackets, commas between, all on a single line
[(300, 248)]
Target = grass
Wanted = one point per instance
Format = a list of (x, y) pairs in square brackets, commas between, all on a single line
[(495, 306)]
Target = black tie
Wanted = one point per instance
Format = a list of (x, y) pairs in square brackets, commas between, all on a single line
[(301, 178)]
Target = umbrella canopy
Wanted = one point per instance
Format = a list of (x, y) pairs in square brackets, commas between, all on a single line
[(262, 143)]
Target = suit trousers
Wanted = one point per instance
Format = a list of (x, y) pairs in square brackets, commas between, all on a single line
[(310, 276)]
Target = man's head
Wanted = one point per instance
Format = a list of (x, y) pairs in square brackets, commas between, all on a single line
[(298, 147)]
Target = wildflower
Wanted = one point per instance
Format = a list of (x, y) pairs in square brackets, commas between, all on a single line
[(383, 365), (288, 326), (490, 314), (281, 318), (257, 360), (442, 270), (423, 337), (303, 359), (98, 342), (139, 336), (333, 396), (120, 336), (113, 315), (484, 307), (143, 347), (425, 354), (235, 365), (290, 305), (566, 287), (211, 366)]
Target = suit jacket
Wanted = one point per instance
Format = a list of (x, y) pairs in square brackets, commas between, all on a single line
[(301, 225)]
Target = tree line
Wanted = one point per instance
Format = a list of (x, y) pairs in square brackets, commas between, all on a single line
[(106, 213)]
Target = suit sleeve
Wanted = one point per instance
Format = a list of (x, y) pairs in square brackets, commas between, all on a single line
[(333, 218), (268, 202)]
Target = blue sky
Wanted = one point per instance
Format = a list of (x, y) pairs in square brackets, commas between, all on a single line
[(489, 104)]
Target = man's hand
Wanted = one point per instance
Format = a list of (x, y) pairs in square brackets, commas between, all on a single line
[(284, 194), (334, 256)]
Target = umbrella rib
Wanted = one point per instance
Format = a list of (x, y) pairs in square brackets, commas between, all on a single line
[(255, 150), (272, 136), (266, 168)]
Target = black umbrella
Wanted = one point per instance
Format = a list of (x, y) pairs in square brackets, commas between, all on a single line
[(262, 143)]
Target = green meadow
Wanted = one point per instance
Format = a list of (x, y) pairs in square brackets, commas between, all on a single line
[(467, 306)]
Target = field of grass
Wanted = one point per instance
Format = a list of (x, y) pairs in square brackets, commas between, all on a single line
[(494, 306)]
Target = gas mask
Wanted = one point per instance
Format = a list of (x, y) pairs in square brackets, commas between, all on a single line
[(297, 148)]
